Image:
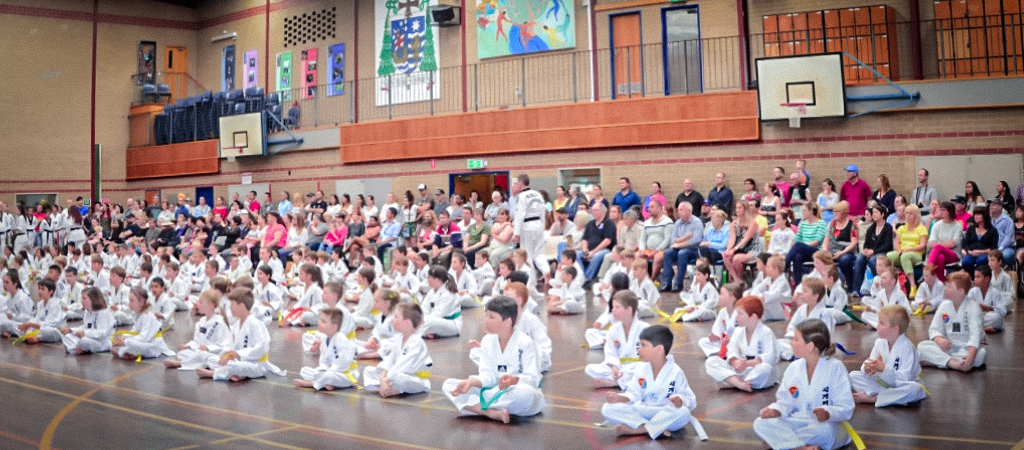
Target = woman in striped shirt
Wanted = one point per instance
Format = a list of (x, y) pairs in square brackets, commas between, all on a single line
[(809, 235)]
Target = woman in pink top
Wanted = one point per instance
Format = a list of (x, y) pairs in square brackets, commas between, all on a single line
[(337, 235), (276, 235), (655, 195)]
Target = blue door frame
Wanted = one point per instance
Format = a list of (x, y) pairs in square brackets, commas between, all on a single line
[(611, 45), (664, 46)]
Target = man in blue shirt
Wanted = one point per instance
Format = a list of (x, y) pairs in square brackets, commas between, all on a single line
[(626, 198), (687, 234), (182, 207), (201, 209), (390, 229), (285, 206), (1004, 225), (720, 195)]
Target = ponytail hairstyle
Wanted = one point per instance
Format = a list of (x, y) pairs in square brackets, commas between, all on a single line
[(15, 279), (370, 275), (391, 296), (143, 296), (734, 289), (438, 272), (213, 296), (706, 270), (619, 282), (313, 271), (814, 330)]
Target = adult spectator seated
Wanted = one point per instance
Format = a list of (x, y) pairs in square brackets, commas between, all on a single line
[(390, 232), (1004, 226), (689, 195), (973, 196), (297, 236), (478, 236), (878, 241), (598, 239), (424, 203), (945, 239), (981, 237), (629, 233), (963, 215), (576, 201), (625, 198), (841, 240), (597, 196), (1004, 196), (923, 194), (656, 195), (855, 191), (771, 203), (885, 196), (655, 237), (898, 217), (201, 209), (911, 242), (561, 226), (497, 202), (575, 236), (425, 233), (809, 236), (744, 239), (167, 236), (447, 238), (721, 196), (716, 237), (687, 234), (316, 231)]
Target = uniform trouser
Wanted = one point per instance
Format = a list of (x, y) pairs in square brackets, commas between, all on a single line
[(324, 378), (708, 347), (194, 359), (657, 419), (88, 345), (244, 369), (931, 353), (792, 432), (441, 327), (759, 376), (902, 393), (595, 338), (518, 400), (603, 371), (45, 334), (533, 242), (403, 383)]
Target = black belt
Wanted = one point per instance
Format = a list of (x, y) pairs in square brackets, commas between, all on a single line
[(18, 234), (531, 219), (76, 228)]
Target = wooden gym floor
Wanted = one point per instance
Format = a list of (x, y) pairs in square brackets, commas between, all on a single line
[(53, 400)]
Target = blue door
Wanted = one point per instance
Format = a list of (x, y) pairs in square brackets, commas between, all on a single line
[(205, 192)]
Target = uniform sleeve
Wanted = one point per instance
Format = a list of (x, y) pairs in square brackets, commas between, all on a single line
[(906, 355), (784, 401), (104, 326), (683, 391), (874, 354), (221, 337), (488, 375), (611, 352), (974, 316), (260, 344), (530, 375)]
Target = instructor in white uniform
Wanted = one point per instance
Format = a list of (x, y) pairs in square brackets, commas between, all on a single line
[(528, 225)]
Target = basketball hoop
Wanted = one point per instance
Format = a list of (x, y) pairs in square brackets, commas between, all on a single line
[(797, 110), (231, 153)]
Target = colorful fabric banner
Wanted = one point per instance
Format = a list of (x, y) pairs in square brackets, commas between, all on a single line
[(309, 73), (284, 75), (408, 56), (336, 70), (514, 27), (251, 78)]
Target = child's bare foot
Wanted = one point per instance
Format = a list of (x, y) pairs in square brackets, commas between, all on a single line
[(737, 383), (431, 336), (625, 430), (501, 415), (809, 447), (129, 357), (329, 387), (204, 373), (79, 351), (236, 378), (990, 330), (32, 340), (860, 397), (6, 335)]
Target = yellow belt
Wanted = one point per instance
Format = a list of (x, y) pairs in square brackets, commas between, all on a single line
[(424, 374), (29, 334), (352, 378), (857, 441), (159, 334), (628, 360)]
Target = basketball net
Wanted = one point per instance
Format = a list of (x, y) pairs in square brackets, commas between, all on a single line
[(797, 110), (231, 153)]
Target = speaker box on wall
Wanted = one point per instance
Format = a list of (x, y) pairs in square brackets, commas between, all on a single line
[(446, 15)]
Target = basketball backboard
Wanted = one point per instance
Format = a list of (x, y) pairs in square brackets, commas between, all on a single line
[(816, 81)]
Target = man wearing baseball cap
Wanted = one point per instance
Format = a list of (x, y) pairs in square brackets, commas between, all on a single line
[(855, 191)]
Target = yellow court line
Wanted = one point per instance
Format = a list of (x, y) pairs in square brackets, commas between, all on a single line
[(1019, 446), (47, 441), (82, 399), (936, 438), (562, 372), (262, 433)]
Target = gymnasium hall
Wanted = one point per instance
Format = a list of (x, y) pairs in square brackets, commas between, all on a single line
[(149, 134)]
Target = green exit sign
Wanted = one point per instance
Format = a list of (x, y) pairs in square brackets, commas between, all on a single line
[(475, 164)]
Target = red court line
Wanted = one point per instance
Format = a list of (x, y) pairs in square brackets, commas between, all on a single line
[(25, 440)]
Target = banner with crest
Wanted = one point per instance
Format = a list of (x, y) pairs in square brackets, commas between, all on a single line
[(407, 62)]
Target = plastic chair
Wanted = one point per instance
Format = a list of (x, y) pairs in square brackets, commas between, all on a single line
[(292, 122)]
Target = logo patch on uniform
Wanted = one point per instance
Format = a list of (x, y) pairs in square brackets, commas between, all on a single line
[(618, 345), (642, 382), (956, 327), (502, 368), (945, 318), (794, 391)]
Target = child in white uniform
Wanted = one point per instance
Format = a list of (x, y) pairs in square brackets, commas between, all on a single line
[(725, 322), (247, 356), (835, 299), (659, 400), (646, 292), (604, 288), (97, 326), (752, 353), (20, 307), (596, 334), (811, 307), (774, 290), (211, 336), (891, 375), (362, 296), (622, 342), (814, 397), (929, 292), (145, 340), (177, 287), (505, 269), (508, 382), (49, 318), (269, 297), (163, 305), (956, 330), (568, 298), (465, 281), (441, 310), (406, 283), (890, 294), (70, 295), (333, 293), (117, 295), (1001, 280), (337, 366), (307, 309), (405, 367), (384, 302), (990, 301), (484, 274), (527, 323), (702, 299)]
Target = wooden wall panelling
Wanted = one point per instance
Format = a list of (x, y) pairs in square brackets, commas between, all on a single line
[(189, 158)]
